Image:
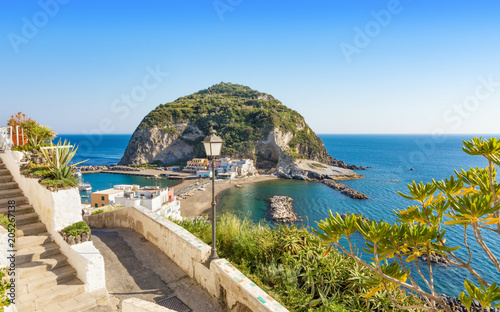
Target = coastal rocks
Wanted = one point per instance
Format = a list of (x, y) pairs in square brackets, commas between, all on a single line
[(168, 145), (344, 189), (92, 168), (436, 259), (456, 305), (282, 210), (304, 169), (88, 169), (344, 215)]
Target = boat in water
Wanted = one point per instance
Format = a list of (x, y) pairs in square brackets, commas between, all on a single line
[(238, 185), (84, 187)]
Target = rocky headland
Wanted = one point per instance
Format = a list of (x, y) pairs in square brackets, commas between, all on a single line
[(253, 125), (282, 209)]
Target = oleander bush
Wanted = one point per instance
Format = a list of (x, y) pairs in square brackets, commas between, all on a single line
[(288, 263)]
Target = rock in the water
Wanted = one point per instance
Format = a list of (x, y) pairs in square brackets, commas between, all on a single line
[(356, 214), (282, 210), (456, 305), (344, 189)]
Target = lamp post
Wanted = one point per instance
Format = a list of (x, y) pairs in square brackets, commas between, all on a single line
[(213, 146)]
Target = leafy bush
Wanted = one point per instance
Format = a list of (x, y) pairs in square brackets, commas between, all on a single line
[(469, 199), (60, 183), (58, 158), (76, 229), (97, 211), (288, 263), (4, 287), (6, 224)]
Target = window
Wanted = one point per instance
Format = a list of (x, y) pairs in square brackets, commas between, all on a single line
[(102, 197), (96, 205), (102, 205)]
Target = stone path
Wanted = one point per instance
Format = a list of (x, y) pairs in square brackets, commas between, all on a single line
[(137, 268)]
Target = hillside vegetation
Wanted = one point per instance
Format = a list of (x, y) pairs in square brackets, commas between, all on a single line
[(240, 115)]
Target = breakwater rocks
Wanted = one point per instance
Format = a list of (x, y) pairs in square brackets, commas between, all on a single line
[(344, 215), (282, 210), (456, 305), (84, 169), (344, 189)]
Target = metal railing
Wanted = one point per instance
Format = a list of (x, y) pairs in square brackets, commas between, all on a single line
[(6, 142)]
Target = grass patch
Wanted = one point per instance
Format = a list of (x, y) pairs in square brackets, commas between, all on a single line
[(288, 263), (317, 165), (76, 229), (59, 183), (39, 171)]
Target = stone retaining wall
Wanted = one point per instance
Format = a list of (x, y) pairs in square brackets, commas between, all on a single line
[(219, 278)]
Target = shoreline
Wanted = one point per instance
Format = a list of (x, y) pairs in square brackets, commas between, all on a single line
[(201, 203)]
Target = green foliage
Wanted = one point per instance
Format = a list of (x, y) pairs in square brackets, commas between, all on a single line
[(97, 211), (59, 183), (76, 229), (59, 159), (7, 224), (4, 287), (240, 115), (24, 148), (289, 264), (470, 199), (37, 134)]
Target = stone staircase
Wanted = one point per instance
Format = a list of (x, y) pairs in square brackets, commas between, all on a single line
[(45, 281)]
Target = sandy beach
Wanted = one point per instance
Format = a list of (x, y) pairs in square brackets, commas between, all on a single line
[(201, 203)]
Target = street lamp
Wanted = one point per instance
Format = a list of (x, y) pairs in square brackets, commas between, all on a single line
[(213, 146)]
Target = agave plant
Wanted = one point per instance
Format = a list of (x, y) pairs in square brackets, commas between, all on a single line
[(59, 157)]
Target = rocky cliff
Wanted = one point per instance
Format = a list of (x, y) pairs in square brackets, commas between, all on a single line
[(253, 125)]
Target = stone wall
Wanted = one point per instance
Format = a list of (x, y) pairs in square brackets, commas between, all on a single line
[(219, 278)]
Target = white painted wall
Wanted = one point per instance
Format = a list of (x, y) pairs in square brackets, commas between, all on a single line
[(191, 255), (57, 210)]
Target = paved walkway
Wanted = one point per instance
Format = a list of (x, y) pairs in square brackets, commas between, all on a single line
[(137, 268)]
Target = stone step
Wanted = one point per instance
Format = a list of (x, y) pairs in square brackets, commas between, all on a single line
[(26, 270), (8, 185), (24, 242), (36, 253), (2, 166), (6, 178), (82, 302), (56, 294), (4, 172), (22, 209), (30, 229), (37, 282), (19, 200), (26, 218), (11, 193)]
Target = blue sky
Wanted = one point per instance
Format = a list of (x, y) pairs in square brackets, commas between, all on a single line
[(347, 66)]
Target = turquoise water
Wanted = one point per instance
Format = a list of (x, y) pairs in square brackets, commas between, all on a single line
[(391, 158)]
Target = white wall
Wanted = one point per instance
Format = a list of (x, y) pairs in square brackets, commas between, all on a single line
[(57, 210), (219, 278)]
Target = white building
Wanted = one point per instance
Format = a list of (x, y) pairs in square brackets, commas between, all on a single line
[(161, 201), (204, 174)]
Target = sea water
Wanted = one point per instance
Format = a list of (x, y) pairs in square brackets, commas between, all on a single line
[(395, 161)]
